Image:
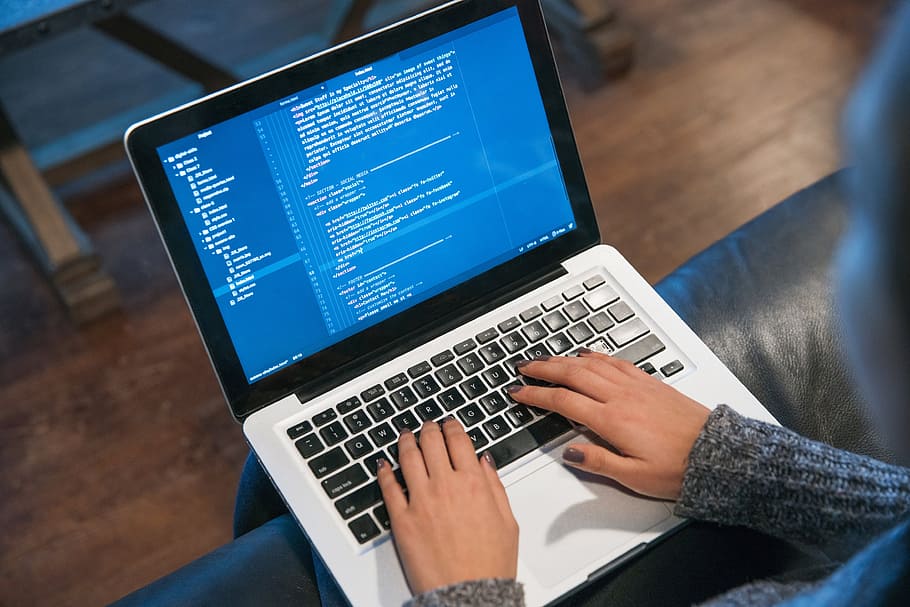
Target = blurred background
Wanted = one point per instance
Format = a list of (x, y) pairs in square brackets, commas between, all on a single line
[(118, 456)]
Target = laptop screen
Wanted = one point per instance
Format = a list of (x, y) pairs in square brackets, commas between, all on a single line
[(332, 209)]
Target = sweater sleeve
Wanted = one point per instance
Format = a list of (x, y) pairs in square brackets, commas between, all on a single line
[(745, 472), (476, 593)]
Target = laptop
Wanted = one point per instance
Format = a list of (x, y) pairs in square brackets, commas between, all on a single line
[(371, 238)]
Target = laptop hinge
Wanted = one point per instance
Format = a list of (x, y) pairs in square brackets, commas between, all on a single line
[(409, 341)]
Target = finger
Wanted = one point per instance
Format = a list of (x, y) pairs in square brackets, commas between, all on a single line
[(461, 449), (588, 376), (392, 493), (623, 366), (496, 486), (411, 460), (564, 401), (599, 460), (433, 447)]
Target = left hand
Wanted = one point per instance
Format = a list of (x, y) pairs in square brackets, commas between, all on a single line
[(455, 524)]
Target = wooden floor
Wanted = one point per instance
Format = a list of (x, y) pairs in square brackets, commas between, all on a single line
[(118, 457)]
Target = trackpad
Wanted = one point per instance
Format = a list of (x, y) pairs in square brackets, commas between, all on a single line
[(570, 519)]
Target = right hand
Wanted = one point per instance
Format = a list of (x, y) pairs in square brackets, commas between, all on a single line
[(652, 425)]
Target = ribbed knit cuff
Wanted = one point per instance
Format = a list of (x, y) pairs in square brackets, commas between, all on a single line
[(496, 592)]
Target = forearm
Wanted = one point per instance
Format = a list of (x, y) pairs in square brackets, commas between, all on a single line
[(745, 472), (475, 593)]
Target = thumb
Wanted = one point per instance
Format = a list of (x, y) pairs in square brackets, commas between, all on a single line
[(597, 460)]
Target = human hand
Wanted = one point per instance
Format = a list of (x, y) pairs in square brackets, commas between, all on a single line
[(652, 425), (455, 524)]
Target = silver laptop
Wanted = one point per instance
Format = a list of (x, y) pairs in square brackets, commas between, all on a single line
[(371, 238)]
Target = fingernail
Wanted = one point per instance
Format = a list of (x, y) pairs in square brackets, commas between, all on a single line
[(448, 418), (489, 458), (514, 388), (522, 363), (573, 455), (543, 357), (406, 431), (381, 463), (585, 351)]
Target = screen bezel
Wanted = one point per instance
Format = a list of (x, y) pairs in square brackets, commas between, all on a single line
[(143, 139)]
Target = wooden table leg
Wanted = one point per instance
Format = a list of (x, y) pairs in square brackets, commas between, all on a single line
[(51, 234)]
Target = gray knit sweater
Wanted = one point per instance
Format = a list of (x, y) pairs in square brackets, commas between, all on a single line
[(745, 472)]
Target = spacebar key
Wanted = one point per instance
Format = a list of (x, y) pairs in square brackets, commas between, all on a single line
[(526, 440)]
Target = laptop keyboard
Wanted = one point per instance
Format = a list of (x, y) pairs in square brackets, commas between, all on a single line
[(469, 380)]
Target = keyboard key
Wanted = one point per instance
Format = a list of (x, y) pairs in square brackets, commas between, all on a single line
[(403, 398), (357, 421), (671, 368), (648, 368), (512, 363), (451, 398), (470, 415), (348, 405), (527, 439), (329, 462), (298, 430), (442, 358), (363, 528), (601, 297), (358, 446), (382, 434), (478, 439), (552, 303), (493, 403), (573, 292), (372, 393), (473, 387), (396, 382), (514, 342), (470, 364), (359, 501), (600, 345), (537, 351), (428, 410), (495, 376), (530, 314), (488, 335), (628, 332), (641, 350), (534, 331), (601, 322), (309, 445), (465, 346), (426, 386), (575, 311), (448, 375), (333, 433), (382, 516), (593, 282), (492, 353), (406, 420), (580, 333), (344, 481), (505, 391), (380, 409), (519, 415), (393, 451), (621, 311), (555, 321), (507, 325), (496, 427), (559, 343), (419, 369), (321, 419), (372, 461)]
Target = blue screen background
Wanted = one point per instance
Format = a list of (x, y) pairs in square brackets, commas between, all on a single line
[(260, 209)]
